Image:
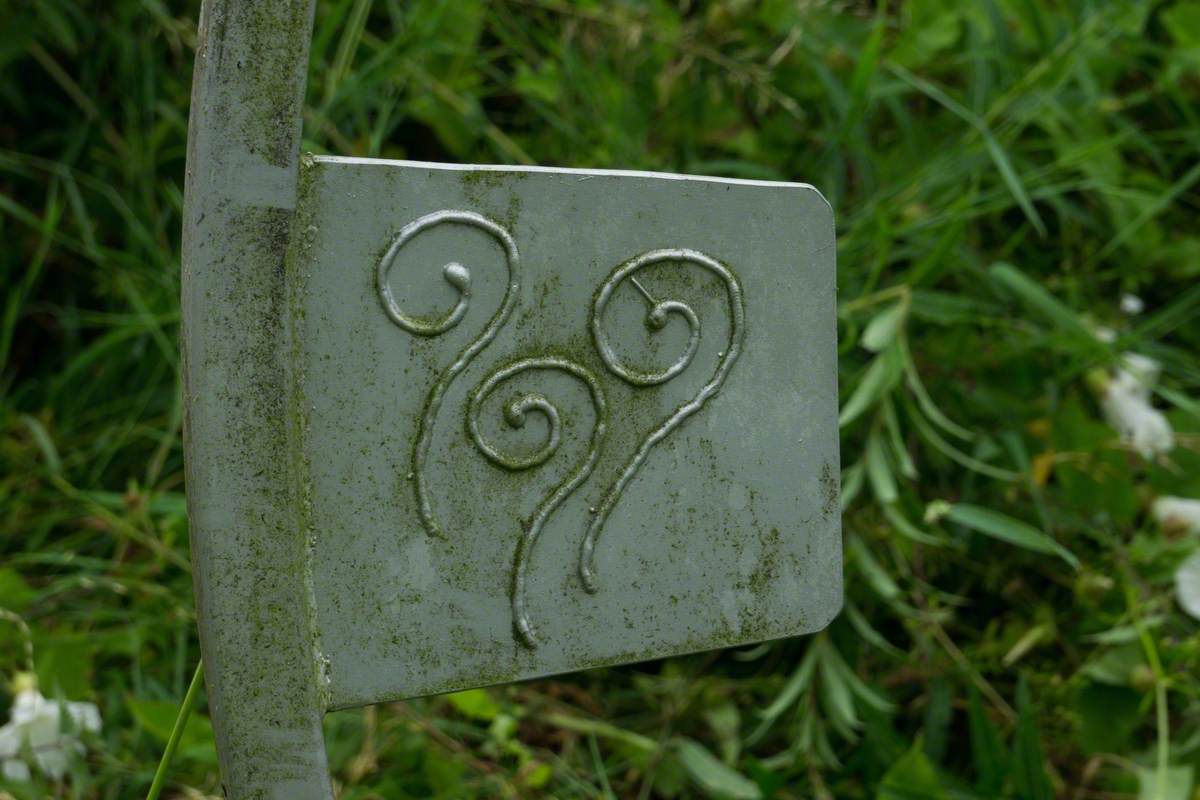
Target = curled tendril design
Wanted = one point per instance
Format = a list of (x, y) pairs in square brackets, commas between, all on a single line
[(459, 277), (514, 415), (656, 320)]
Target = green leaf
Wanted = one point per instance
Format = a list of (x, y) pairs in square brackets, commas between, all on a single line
[(1011, 179), (64, 663), (836, 696), (931, 27), (157, 717), (1174, 783), (725, 721), (545, 84), (15, 593), (1040, 301), (987, 750), (1116, 665), (1006, 529), (907, 529), (882, 374), (879, 578), (862, 626), (538, 776), (896, 442), (864, 70), (639, 747), (852, 483), (938, 713), (999, 157), (475, 704), (1029, 761), (879, 472), (882, 329), (352, 33), (713, 777), (856, 685), (954, 454), (926, 404), (45, 443), (800, 680), (1161, 202), (1182, 21), (1179, 400), (1108, 717), (911, 777), (444, 772)]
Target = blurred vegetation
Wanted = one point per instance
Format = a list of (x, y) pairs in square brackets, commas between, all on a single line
[(1002, 172)]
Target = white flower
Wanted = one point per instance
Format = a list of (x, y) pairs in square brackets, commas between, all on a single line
[(1182, 513), (11, 767), (1177, 513), (1139, 372), (1142, 426), (36, 730), (1126, 406), (1132, 305), (1187, 585)]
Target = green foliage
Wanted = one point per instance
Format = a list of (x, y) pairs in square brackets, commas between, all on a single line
[(158, 716), (912, 777), (1001, 170)]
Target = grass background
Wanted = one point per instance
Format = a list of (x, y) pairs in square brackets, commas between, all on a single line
[(1002, 171)]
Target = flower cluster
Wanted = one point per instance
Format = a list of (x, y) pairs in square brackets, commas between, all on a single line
[(1125, 401), (1182, 514), (42, 732)]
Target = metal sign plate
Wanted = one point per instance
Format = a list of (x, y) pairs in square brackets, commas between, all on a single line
[(550, 419)]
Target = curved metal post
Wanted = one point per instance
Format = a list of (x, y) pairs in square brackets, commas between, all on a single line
[(253, 593)]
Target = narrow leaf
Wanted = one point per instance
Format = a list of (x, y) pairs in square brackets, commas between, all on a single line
[(1172, 783), (1039, 300), (987, 750), (882, 374), (713, 777), (1006, 529), (879, 471), (911, 777), (882, 329), (1029, 761), (907, 529)]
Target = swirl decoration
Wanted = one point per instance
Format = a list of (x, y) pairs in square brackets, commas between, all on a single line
[(656, 319), (515, 415), (459, 277)]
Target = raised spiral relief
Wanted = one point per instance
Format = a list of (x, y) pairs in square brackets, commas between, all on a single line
[(515, 415), (459, 277), (516, 411), (656, 318)]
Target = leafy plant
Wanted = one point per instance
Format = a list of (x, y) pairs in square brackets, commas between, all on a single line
[(1002, 172)]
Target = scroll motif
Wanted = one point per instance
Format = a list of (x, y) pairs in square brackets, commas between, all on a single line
[(656, 318), (459, 277), (516, 411), (514, 415)]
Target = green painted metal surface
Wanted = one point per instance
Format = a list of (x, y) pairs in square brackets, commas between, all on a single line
[(551, 419), (254, 611), (450, 426)]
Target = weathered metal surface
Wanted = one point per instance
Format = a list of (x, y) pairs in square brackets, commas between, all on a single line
[(552, 419), (450, 426), (252, 595)]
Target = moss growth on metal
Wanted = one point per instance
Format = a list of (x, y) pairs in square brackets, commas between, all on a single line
[(272, 89), (759, 557)]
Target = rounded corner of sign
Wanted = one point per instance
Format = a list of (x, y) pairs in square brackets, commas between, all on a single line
[(818, 199), (834, 609)]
